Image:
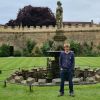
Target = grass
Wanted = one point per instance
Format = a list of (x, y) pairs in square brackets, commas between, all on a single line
[(16, 92), (8, 63), (82, 92), (16, 62), (93, 62)]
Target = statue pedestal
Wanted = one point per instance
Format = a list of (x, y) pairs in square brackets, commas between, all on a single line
[(59, 39), (57, 47)]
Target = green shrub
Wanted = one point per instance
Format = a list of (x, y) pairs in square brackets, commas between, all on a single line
[(17, 53), (76, 47), (38, 51), (30, 45), (27, 51), (85, 49), (4, 50), (46, 46)]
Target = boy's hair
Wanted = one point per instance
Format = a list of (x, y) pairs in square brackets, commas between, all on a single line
[(67, 44)]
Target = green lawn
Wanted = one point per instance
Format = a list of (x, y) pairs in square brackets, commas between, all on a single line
[(30, 62), (16, 92), (82, 92), (16, 62), (93, 62)]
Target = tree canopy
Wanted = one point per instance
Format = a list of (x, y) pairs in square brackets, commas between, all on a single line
[(33, 16)]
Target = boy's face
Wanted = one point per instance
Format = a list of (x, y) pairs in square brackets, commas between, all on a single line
[(66, 48)]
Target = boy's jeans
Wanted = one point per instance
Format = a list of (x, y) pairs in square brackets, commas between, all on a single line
[(66, 75)]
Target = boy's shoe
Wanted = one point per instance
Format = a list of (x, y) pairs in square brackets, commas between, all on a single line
[(61, 94), (72, 94)]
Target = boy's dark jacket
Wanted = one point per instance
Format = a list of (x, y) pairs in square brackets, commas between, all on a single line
[(67, 60)]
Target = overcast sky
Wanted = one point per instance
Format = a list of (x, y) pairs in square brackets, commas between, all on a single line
[(74, 10)]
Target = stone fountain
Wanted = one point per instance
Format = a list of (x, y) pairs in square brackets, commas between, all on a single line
[(59, 38)]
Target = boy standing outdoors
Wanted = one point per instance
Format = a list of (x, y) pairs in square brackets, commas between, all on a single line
[(66, 63)]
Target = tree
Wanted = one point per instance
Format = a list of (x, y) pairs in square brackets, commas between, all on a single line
[(33, 16)]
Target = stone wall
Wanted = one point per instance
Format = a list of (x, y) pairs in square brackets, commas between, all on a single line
[(17, 37)]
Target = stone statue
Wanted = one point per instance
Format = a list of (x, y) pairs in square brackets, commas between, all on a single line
[(59, 15)]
